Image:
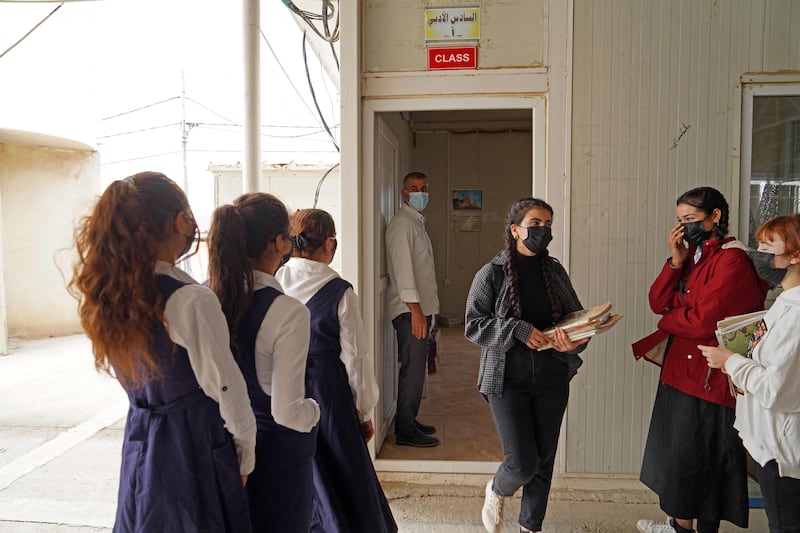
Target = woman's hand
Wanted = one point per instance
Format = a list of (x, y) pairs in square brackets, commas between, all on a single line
[(676, 246), (736, 244), (715, 355), (562, 343), (537, 339), (367, 430)]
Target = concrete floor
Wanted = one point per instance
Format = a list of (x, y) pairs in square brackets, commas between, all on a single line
[(60, 435)]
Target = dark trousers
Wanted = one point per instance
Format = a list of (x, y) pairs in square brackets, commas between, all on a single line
[(413, 356), (528, 419), (781, 499)]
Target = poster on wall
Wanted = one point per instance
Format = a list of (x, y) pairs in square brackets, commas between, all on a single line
[(467, 199), (453, 24)]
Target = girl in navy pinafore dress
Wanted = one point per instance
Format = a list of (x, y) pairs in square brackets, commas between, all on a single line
[(247, 242), (341, 378), (190, 433)]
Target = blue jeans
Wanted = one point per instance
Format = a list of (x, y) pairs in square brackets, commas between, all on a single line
[(528, 418), (781, 499), (413, 356)]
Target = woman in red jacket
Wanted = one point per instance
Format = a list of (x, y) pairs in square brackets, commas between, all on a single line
[(694, 459)]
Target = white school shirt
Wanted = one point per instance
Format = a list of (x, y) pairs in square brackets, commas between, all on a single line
[(302, 279), (194, 320), (410, 262), (281, 354)]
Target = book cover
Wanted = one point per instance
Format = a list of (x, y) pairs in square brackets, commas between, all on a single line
[(736, 332)]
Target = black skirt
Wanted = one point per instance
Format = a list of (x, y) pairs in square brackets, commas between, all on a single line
[(694, 459)]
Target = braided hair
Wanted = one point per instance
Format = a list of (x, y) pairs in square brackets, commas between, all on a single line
[(706, 199), (515, 216)]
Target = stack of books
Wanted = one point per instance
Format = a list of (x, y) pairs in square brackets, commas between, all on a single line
[(737, 333), (585, 323)]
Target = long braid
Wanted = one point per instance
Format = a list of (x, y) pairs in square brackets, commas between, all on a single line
[(511, 274)]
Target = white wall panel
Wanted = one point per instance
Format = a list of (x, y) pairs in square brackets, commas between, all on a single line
[(642, 71)]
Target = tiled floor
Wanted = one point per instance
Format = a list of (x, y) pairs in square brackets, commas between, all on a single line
[(452, 403)]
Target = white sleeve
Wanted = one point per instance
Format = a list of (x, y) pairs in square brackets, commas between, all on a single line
[(400, 250), (194, 320), (773, 382), (356, 355), (283, 337)]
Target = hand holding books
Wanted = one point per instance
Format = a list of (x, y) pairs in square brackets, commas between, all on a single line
[(584, 323), (735, 334)]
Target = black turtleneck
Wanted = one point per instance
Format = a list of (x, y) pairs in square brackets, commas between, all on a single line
[(535, 302)]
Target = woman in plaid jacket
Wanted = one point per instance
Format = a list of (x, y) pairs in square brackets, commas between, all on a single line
[(513, 299)]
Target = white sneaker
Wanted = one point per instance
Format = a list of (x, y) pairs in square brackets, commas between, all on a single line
[(492, 513), (651, 526)]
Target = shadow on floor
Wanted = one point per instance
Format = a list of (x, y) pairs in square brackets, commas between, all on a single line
[(452, 403)]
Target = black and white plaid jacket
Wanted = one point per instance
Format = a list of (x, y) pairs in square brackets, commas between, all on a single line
[(490, 322)]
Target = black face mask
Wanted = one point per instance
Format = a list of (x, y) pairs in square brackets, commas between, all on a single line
[(765, 268), (538, 238), (335, 245), (694, 233)]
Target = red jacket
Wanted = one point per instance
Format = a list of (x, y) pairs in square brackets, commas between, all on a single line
[(724, 283)]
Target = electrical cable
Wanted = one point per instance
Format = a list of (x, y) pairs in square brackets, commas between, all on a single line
[(314, 96), (319, 185), (308, 17), (31, 30), (139, 158), (286, 74), (212, 111), (140, 108), (138, 131)]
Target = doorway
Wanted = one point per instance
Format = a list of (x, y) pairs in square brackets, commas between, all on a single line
[(478, 162)]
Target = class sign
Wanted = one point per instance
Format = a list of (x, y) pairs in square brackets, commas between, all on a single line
[(453, 57)]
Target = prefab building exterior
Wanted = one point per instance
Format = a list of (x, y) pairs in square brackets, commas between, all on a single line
[(606, 109)]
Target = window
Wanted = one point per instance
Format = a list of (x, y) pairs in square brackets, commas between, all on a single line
[(771, 154)]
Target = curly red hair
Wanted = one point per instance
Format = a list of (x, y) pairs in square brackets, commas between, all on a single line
[(114, 275)]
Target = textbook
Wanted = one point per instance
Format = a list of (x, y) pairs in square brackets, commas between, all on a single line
[(736, 333), (585, 323)]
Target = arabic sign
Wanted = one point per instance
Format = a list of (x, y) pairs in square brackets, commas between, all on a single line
[(453, 24), (453, 57)]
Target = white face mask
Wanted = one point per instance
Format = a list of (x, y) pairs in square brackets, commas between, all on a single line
[(418, 200)]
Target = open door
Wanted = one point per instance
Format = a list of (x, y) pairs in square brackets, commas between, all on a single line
[(386, 365)]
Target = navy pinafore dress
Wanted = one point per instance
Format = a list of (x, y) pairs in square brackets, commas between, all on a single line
[(280, 489), (348, 495), (179, 467)]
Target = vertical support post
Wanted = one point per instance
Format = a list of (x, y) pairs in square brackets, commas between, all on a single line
[(251, 165)]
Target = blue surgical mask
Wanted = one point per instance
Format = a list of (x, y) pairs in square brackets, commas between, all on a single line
[(418, 200)]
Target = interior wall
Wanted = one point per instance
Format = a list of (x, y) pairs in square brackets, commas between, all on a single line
[(44, 192), (656, 111), (499, 165)]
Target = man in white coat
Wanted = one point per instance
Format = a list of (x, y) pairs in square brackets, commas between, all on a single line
[(413, 302)]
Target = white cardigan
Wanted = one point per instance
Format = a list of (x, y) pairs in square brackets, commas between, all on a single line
[(768, 414)]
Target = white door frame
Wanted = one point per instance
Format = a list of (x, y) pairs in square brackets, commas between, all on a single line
[(370, 289)]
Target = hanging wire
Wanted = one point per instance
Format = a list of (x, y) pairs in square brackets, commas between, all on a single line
[(324, 18), (34, 29), (321, 180), (314, 96)]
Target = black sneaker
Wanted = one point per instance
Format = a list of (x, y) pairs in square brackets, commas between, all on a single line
[(418, 439), (425, 428)]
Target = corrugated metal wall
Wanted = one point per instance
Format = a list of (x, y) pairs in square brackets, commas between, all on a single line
[(656, 111)]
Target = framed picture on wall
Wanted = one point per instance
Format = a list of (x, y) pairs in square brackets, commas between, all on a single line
[(467, 199)]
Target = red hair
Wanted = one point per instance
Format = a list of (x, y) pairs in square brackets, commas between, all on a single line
[(787, 228), (114, 276)]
